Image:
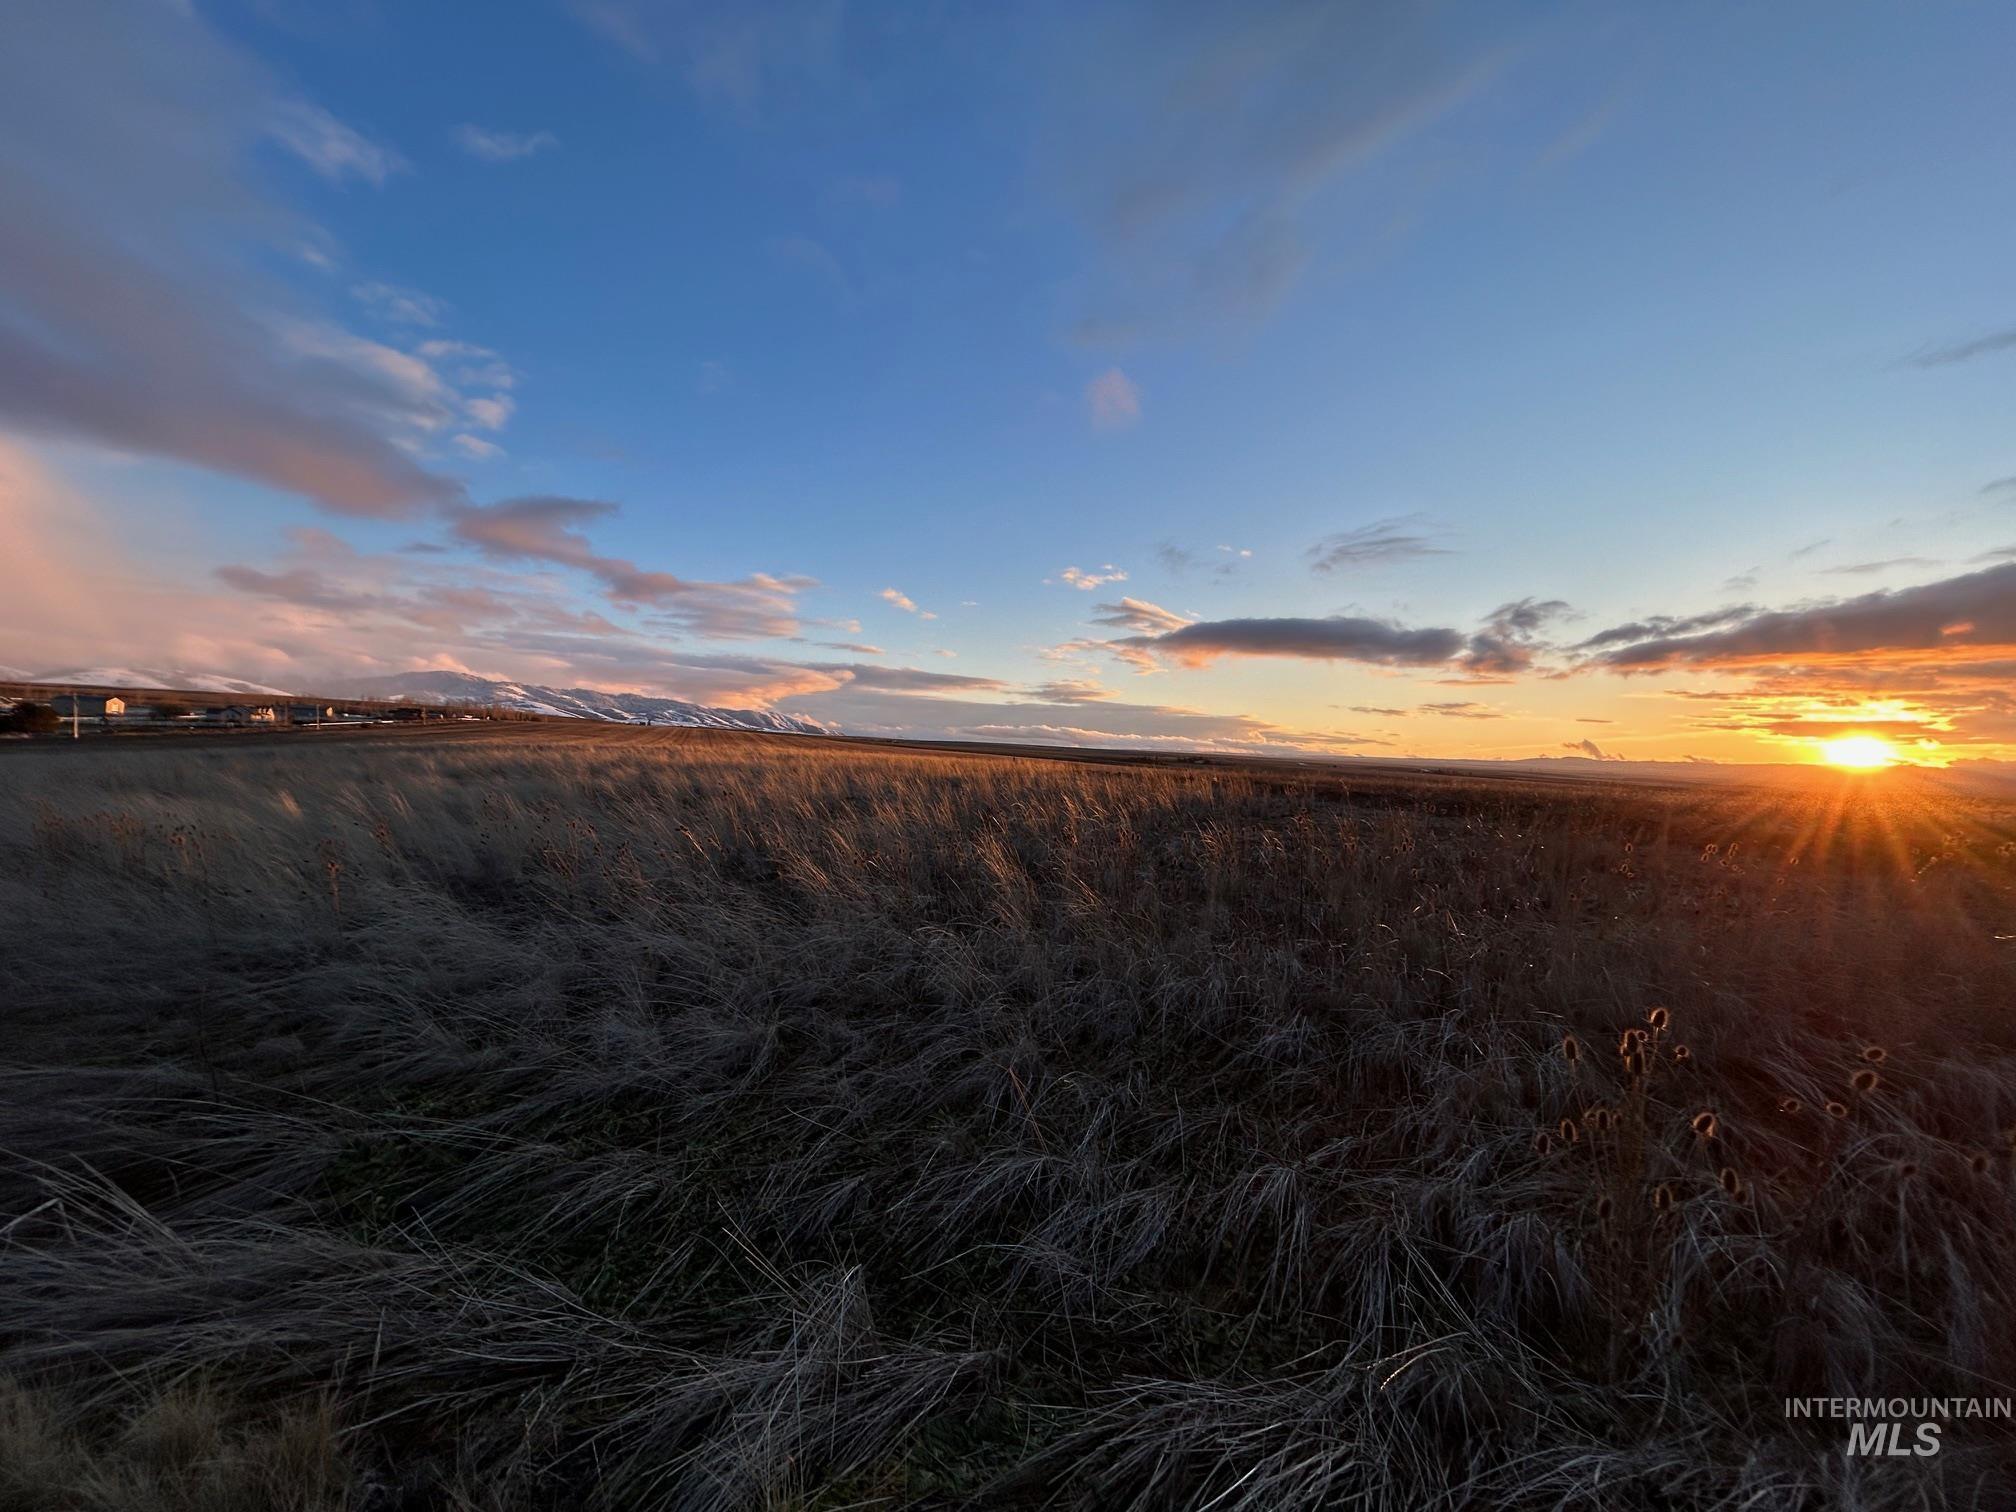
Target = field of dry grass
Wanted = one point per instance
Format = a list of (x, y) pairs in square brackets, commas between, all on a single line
[(599, 1118)]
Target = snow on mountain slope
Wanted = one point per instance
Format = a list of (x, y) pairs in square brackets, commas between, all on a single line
[(572, 703), (156, 677)]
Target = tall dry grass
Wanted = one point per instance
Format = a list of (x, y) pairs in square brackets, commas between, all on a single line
[(618, 1119)]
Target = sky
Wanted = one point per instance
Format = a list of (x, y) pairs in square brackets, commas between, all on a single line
[(1494, 380)]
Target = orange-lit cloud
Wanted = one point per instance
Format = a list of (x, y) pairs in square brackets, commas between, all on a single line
[(1975, 610), (548, 529)]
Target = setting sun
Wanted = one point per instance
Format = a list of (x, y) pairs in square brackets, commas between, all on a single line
[(1862, 752)]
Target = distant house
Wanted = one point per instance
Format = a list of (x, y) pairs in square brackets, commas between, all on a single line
[(309, 713), (407, 711), (88, 705), (227, 714)]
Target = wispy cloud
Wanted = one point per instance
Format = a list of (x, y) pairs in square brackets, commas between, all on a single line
[(729, 54), (1962, 351), (1088, 580), (491, 413), (298, 585), (1663, 626), (910, 679), (810, 257), (1400, 539), (120, 331), (502, 146), (1069, 691), (551, 528), (1867, 569), (1223, 561), (400, 306), (1584, 133), (1112, 401), (469, 365), (332, 149), (1196, 137), (1139, 615)]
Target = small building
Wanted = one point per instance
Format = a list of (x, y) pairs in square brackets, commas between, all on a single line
[(88, 705), (227, 714), (309, 713)]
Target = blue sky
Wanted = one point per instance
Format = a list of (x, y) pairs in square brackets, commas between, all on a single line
[(653, 345)]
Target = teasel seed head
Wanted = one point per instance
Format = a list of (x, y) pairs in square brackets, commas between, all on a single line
[(1875, 1054), (1543, 1143), (1836, 1109), (1704, 1125), (1662, 1197), (1599, 1118), (1659, 1018), (1571, 1049), (1732, 1183), (1570, 1132), (1604, 1206), (1681, 1054), (1865, 1080), (1790, 1105)]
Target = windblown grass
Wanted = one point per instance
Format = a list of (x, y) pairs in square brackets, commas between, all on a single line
[(573, 1118)]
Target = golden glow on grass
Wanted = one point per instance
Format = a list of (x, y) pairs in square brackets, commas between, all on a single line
[(1859, 752)]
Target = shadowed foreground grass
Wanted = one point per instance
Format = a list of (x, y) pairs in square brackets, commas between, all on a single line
[(575, 1118)]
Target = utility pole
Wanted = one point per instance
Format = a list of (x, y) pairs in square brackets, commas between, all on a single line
[(74, 735)]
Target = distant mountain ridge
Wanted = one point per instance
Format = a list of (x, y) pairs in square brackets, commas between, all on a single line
[(178, 678), (445, 686)]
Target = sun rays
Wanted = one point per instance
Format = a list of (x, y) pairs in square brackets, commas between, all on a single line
[(1860, 753)]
